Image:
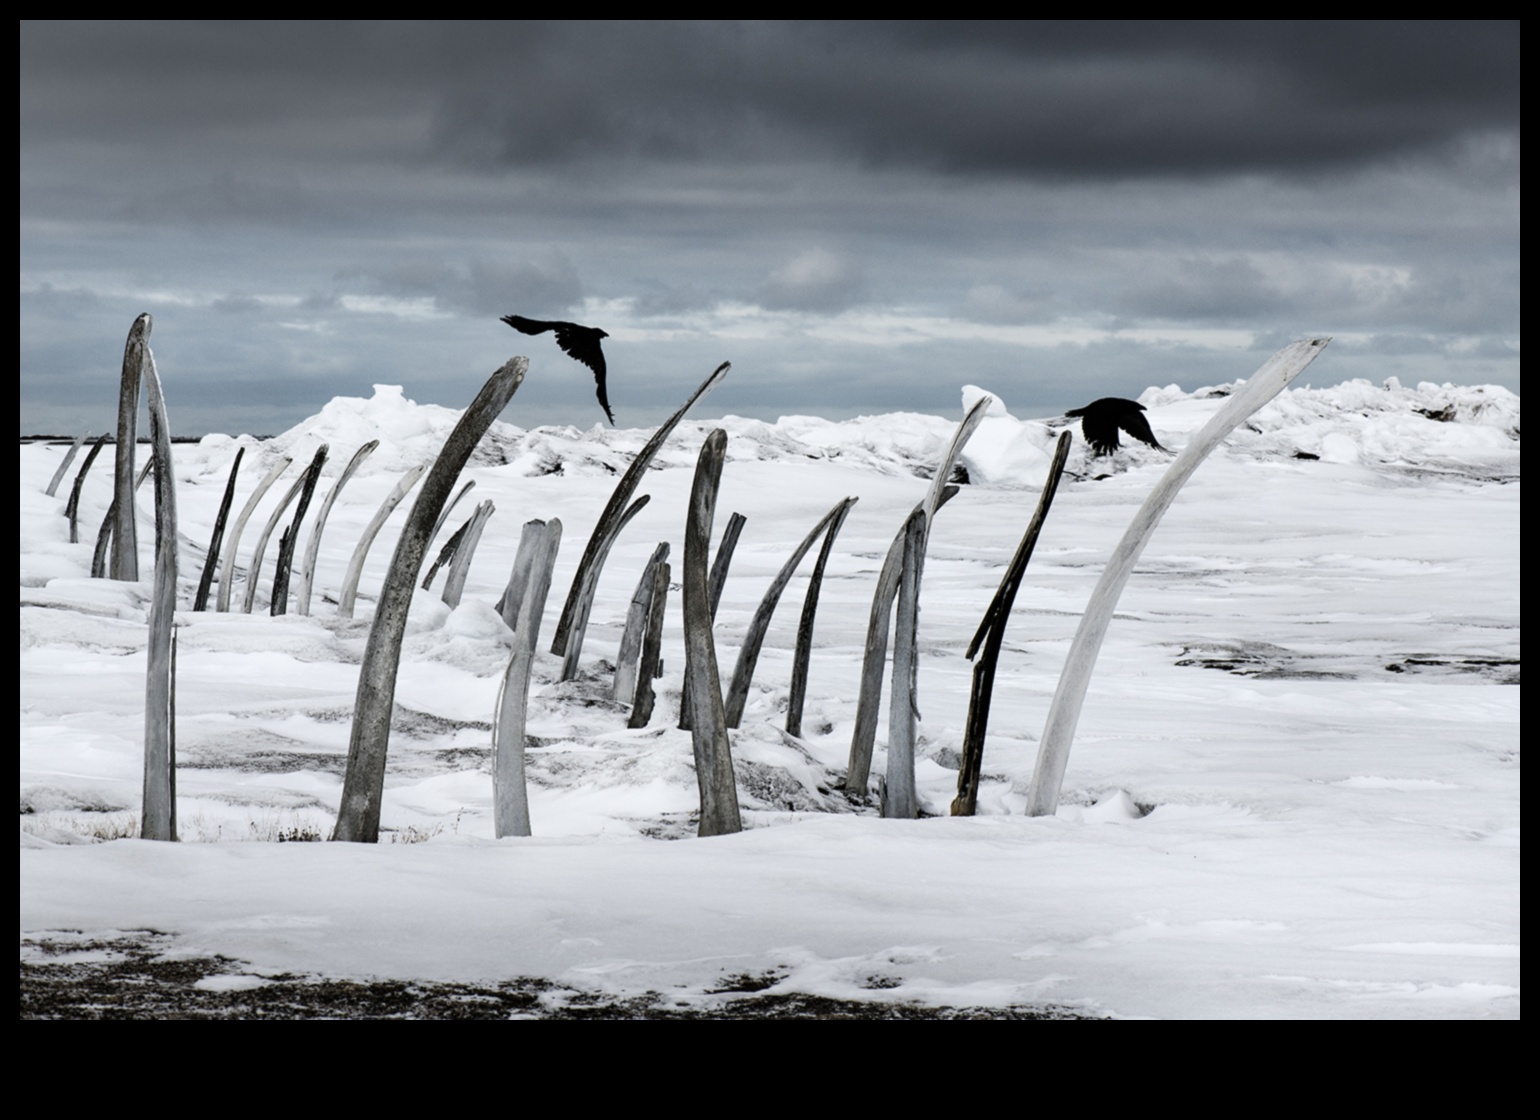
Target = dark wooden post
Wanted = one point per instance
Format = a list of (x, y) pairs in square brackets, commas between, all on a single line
[(623, 691), (279, 603), (611, 521), (460, 566), (211, 562), (991, 633), (754, 637), (652, 644), (585, 601), (446, 554), (227, 564), (72, 506), (803, 656), (254, 569), (304, 583)]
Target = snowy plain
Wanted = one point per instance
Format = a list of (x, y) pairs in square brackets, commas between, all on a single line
[(1294, 791)]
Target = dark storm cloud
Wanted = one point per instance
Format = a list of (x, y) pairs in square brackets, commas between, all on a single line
[(1054, 210), (1038, 98), (1048, 98)]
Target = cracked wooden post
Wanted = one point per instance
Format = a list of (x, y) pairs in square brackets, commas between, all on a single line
[(713, 755), (279, 603), (158, 820), (227, 568), (569, 629), (510, 792), (460, 567), (348, 596), (363, 784), (991, 634), (869, 694), (716, 584), (125, 536), (532, 602), (304, 581), (804, 652), (899, 800), (754, 636), (623, 691), (64, 465), (531, 541), (211, 561), (652, 643), (1064, 713)]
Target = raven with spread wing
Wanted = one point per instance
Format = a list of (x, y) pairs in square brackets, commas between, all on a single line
[(576, 341), (1100, 421)]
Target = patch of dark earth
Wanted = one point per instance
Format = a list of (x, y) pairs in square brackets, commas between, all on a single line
[(1501, 670), (130, 977), (264, 761), (1265, 661)]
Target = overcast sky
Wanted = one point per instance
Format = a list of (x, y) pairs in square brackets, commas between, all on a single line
[(861, 217)]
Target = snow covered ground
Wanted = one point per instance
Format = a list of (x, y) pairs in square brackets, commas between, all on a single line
[(1294, 790)]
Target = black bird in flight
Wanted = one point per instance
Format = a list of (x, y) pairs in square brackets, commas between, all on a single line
[(1100, 421), (576, 341)]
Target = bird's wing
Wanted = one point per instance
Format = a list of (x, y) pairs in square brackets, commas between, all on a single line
[(582, 344), (1098, 428), (1137, 426), (529, 326)]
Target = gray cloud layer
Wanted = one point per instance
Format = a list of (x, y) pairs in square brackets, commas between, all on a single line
[(844, 207)]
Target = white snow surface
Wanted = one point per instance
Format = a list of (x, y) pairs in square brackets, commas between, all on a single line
[(1294, 792)]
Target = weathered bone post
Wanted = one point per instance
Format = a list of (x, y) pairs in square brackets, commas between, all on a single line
[(363, 784)]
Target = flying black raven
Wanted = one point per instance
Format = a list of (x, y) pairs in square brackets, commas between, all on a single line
[(576, 341), (1100, 421)]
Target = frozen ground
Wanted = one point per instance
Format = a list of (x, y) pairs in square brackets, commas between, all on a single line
[(1294, 791)]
